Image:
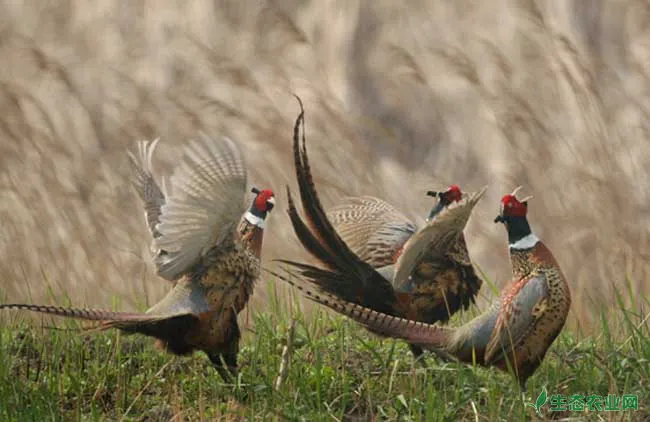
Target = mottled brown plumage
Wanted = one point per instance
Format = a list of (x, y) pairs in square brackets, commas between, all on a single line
[(423, 274), (372, 228), (517, 329), (204, 242)]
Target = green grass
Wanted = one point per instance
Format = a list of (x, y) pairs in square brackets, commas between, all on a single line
[(337, 372)]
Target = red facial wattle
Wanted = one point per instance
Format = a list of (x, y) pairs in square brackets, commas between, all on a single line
[(262, 198), (512, 207), (453, 194)]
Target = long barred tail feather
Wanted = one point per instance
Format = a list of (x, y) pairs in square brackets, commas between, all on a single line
[(169, 329), (333, 282), (355, 280), (414, 332), (313, 208), (321, 229), (307, 238), (81, 313)]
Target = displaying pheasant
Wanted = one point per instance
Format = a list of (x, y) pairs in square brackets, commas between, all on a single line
[(376, 231), (205, 242), (425, 275), (518, 328)]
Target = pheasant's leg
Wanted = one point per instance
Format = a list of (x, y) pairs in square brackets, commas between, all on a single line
[(225, 359), (418, 354), (442, 355), (227, 368), (522, 386)]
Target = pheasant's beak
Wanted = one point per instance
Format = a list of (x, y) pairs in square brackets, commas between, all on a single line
[(270, 203), (500, 219)]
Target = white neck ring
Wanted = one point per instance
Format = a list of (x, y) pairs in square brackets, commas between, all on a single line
[(254, 220), (525, 242)]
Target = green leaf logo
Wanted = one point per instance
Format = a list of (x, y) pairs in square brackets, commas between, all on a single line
[(541, 401)]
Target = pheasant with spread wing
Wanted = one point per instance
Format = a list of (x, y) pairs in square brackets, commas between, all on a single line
[(424, 274), (205, 242), (516, 331), (376, 231)]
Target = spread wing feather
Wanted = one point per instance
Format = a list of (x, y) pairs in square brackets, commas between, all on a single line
[(205, 205), (372, 228), (436, 238), (145, 185)]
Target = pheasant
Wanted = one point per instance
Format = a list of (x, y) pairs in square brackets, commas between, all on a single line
[(518, 328), (376, 231), (425, 274), (205, 242)]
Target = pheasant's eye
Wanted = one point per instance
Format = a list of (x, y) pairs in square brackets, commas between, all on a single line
[(510, 204)]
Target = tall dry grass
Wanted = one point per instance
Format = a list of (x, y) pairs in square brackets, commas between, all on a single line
[(400, 98)]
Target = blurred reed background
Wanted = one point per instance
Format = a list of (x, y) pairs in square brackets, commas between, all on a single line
[(401, 97)]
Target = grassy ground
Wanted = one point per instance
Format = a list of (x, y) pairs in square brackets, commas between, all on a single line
[(337, 371)]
